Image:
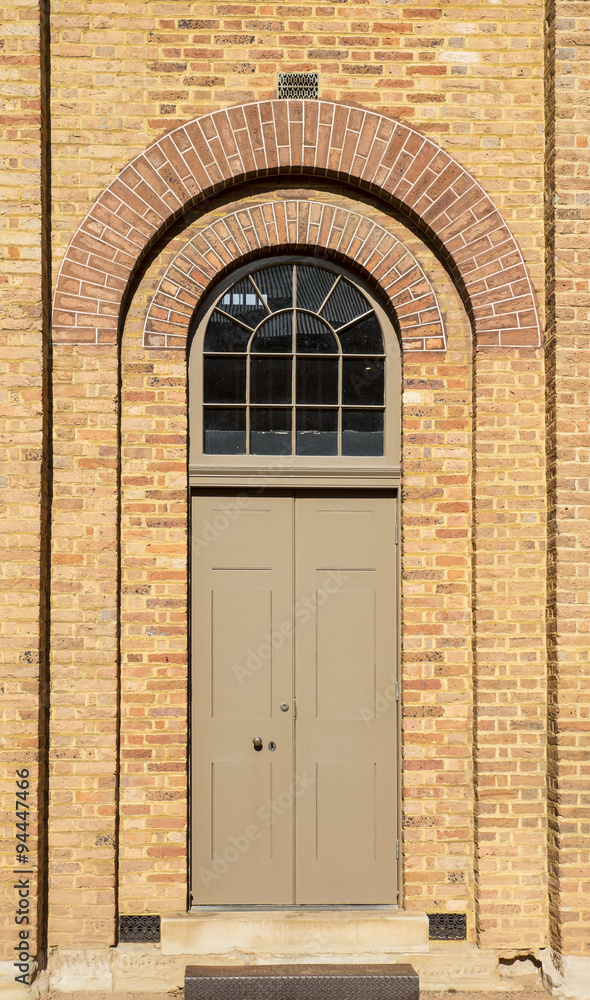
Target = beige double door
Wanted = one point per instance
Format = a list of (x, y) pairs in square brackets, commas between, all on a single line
[(294, 652)]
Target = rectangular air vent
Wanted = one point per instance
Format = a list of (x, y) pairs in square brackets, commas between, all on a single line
[(139, 928), (303, 86), (447, 926)]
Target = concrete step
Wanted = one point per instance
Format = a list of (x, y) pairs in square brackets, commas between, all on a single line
[(292, 936), (301, 982)]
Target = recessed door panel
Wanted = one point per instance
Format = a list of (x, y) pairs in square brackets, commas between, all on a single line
[(241, 661), (237, 789), (241, 537), (345, 652), (346, 821), (345, 538)]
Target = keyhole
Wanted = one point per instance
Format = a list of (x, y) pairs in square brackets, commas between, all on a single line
[(272, 745)]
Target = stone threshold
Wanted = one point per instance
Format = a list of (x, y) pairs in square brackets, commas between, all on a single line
[(266, 936)]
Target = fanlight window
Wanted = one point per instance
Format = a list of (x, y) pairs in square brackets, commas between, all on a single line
[(293, 365)]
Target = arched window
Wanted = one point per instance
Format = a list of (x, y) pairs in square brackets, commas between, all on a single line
[(293, 364)]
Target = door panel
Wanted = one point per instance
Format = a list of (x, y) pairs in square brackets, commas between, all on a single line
[(346, 814), (345, 643), (242, 573), (240, 685), (345, 656), (294, 597), (237, 788)]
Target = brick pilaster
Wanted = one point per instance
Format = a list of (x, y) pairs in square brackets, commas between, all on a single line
[(84, 641), (568, 364), (24, 454), (509, 649)]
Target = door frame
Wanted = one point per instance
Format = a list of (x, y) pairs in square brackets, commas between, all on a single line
[(219, 472), (314, 483)]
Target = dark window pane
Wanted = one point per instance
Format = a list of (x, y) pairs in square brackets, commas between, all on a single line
[(317, 432), (276, 335), (313, 336), (270, 432), (270, 380), (242, 302), (317, 381), (224, 432), (362, 432), (313, 284), (276, 286), (363, 381), (362, 338), (225, 335), (344, 304), (225, 380)]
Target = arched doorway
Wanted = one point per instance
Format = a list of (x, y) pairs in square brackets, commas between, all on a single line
[(294, 415), (457, 216)]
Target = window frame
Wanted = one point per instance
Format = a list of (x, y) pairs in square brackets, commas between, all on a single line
[(276, 468)]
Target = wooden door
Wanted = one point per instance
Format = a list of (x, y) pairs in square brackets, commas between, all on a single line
[(242, 580), (345, 691), (294, 642)]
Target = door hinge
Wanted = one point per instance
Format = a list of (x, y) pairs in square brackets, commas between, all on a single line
[(397, 690), (396, 534), (397, 848)]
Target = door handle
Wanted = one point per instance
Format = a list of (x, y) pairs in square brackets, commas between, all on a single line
[(257, 741)]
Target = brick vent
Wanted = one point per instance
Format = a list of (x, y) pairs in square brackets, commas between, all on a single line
[(139, 928), (301, 86), (357, 147), (297, 225), (447, 926)]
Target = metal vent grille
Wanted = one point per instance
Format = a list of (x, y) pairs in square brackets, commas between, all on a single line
[(139, 928), (300, 982), (303, 86), (447, 926)]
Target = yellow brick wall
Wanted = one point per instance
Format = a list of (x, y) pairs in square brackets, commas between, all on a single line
[(84, 686), (509, 648), (568, 395), (469, 75), (436, 595), (23, 481)]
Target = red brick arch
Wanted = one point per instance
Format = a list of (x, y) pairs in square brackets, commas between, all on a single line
[(360, 148), (300, 225)]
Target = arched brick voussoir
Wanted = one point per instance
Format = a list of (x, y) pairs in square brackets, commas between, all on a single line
[(359, 147), (294, 224)]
